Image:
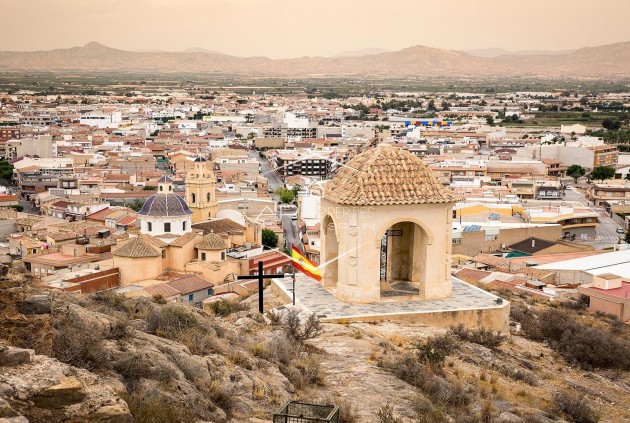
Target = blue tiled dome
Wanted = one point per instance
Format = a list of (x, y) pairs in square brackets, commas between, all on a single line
[(165, 205)]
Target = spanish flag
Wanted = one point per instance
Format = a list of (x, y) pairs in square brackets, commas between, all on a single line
[(304, 265)]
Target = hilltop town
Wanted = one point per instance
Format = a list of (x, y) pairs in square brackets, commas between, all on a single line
[(473, 250)]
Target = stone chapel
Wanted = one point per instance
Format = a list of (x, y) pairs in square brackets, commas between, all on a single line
[(386, 229)]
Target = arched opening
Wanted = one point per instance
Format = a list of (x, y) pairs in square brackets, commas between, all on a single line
[(193, 198), (208, 197), (330, 260), (403, 260)]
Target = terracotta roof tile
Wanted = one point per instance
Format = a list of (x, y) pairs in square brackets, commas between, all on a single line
[(184, 239), (212, 241), (387, 175), (219, 226), (190, 284), (136, 248)]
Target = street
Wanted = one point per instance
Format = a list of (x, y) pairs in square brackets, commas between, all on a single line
[(291, 231)]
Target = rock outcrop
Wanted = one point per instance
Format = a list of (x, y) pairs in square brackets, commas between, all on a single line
[(38, 388)]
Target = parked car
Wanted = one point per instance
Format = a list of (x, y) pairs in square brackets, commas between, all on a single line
[(620, 231)]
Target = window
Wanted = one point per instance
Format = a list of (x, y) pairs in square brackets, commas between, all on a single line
[(209, 291), (203, 256), (163, 253), (149, 226), (457, 240), (208, 197), (190, 297), (167, 226), (161, 188), (223, 255), (183, 226)]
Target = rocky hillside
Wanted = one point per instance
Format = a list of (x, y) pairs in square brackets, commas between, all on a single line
[(104, 358), (609, 61)]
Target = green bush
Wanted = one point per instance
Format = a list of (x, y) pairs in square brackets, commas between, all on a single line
[(435, 349)]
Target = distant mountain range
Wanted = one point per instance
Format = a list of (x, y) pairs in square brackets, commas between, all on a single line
[(496, 51), (608, 61)]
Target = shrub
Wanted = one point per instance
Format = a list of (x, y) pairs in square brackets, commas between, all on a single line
[(225, 308), (111, 299), (157, 408), (575, 407), (76, 344), (297, 331), (481, 336), (435, 349), (120, 330), (221, 396), (134, 367), (426, 412), (575, 341), (159, 299), (283, 349), (348, 412), (311, 370), (260, 350), (201, 340), (385, 414), (169, 321)]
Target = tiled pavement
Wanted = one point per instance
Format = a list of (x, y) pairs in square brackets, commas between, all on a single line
[(310, 294)]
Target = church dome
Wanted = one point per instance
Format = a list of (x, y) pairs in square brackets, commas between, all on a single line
[(164, 205), (387, 175)]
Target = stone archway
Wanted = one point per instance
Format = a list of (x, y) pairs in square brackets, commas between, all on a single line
[(403, 263), (330, 260)]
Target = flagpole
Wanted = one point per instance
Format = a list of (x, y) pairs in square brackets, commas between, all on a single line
[(293, 285)]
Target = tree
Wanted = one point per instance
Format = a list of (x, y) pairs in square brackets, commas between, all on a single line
[(490, 120), (136, 205), (611, 125), (602, 172), (286, 195), (6, 170), (269, 238), (575, 171)]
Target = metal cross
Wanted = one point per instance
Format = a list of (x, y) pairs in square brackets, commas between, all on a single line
[(261, 277)]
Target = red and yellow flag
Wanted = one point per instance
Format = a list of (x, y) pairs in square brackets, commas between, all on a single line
[(304, 265)]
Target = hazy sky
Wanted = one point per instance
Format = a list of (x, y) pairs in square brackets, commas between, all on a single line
[(294, 28)]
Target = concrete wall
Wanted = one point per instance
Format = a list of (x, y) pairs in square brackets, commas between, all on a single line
[(473, 243), (496, 318), (137, 269), (7, 227), (98, 281)]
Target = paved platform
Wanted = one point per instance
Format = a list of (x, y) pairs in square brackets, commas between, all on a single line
[(468, 303)]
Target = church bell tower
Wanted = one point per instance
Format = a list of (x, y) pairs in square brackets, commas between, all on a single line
[(200, 190)]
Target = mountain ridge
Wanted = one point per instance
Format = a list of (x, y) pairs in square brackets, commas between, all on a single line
[(608, 61)]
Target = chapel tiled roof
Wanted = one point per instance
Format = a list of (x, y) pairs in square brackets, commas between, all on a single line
[(136, 248), (212, 241), (387, 175), (184, 239), (219, 226)]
